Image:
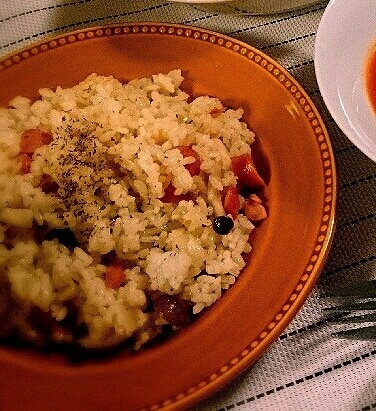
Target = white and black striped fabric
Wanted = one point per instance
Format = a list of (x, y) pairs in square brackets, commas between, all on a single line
[(306, 368)]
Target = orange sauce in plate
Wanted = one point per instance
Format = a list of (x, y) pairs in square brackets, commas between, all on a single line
[(371, 78)]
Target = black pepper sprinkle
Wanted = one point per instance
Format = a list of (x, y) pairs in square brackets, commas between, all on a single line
[(222, 225)]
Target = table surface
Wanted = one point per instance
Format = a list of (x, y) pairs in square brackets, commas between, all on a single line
[(306, 368)]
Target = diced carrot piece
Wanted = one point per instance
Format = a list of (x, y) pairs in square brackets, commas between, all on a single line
[(114, 276), (25, 163), (195, 167), (254, 210), (32, 139), (170, 196), (231, 202), (245, 170)]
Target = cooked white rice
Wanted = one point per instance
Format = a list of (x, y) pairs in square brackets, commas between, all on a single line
[(114, 151)]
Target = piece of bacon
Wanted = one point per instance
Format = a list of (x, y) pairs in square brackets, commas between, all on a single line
[(244, 169), (254, 209), (216, 112), (48, 185)]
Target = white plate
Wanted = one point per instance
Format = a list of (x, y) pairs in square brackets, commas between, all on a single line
[(345, 36)]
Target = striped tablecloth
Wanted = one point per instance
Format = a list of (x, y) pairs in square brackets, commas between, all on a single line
[(306, 368)]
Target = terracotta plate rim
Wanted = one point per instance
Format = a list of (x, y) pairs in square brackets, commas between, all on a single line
[(324, 238)]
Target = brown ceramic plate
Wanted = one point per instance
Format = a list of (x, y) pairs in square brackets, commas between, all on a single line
[(290, 247)]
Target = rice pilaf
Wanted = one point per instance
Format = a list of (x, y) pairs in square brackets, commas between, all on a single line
[(109, 192)]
